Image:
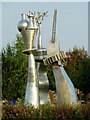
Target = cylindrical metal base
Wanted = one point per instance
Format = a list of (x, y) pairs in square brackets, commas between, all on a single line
[(32, 90)]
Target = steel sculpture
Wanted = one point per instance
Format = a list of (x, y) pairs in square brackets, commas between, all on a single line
[(37, 83), (40, 54), (29, 31), (65, 90)]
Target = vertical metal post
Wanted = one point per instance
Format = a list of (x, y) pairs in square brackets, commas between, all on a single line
[(40, 38), (29, 32), (32, 91)]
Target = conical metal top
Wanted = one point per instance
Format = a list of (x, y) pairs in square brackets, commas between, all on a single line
[(29, 37), (28, 29)]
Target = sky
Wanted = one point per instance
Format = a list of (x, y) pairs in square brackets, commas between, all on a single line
[(71, 27)]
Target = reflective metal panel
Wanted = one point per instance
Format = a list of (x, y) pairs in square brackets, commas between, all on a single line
[(22, 25), (32, 90), (43, 84), (64, 87), (31, 96), (40, 38), (29, 37)]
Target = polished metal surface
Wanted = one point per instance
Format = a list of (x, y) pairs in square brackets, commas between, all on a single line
[(32, 89), (22, 25), (31, 96), (29, 34), (40, 38), (65, 90), (43, 84), (40, 54), (64, 87), (37, 84), (55, 58), (54, 26), (28, 51)]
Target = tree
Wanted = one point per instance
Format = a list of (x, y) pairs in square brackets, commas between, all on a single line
[(14, 70), (77, 68), (52, 84)]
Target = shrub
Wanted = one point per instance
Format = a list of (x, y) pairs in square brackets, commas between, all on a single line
[(46, 112)]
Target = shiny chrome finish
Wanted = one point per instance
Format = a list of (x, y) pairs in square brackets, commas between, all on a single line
[(31, 96), (65, 90), (54, 26), (43, 84), (29, 35), (22, 25), (30, 16), (29, 32), (64, 87), (40, 54), (28, 51), (40, 38), (38, 86), (60, 56), (39, 20), (32, 90)]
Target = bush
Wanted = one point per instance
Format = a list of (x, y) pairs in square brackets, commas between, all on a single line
[(46, 112)]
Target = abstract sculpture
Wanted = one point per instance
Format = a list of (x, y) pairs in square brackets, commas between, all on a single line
[(38, 84), (65, 90)]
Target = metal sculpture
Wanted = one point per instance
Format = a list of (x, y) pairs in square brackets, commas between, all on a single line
[(37, 84), (29, 32), (65, 90), (41, 68)]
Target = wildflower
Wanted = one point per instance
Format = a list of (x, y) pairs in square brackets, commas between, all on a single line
[(9, 103), (14, 102)]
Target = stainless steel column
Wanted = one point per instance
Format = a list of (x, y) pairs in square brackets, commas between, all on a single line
[(29, 33), (32, 91)]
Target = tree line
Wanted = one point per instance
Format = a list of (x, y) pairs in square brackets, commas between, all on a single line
[(15, 70)]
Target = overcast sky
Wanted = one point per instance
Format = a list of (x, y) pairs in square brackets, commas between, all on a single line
[(72, 22)]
